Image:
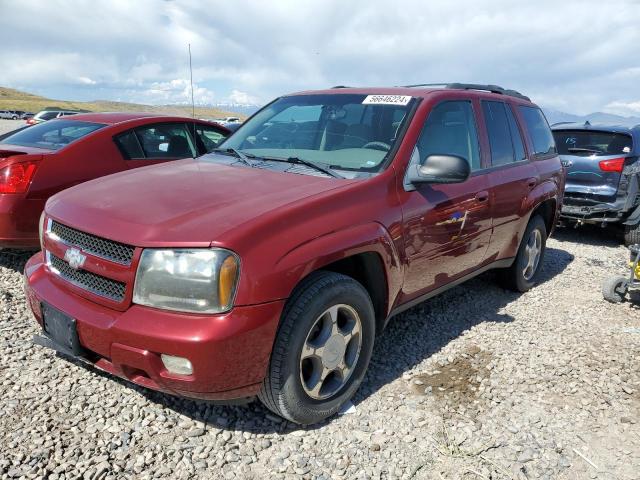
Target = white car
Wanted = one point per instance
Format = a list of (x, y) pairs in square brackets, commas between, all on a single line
[(10, 114)]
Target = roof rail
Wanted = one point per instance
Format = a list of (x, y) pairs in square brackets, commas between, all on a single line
[(475, 86), (339, 86), (561, 123)]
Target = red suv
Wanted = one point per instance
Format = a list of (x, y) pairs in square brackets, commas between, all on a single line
[(269, 266)]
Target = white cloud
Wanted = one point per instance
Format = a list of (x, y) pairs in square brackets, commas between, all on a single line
[(175, 91), (623, 108), (578, 55), (242, 98), (86, 81)]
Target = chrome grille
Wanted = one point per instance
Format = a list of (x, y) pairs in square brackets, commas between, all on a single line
[(100, 247), (91, 282)]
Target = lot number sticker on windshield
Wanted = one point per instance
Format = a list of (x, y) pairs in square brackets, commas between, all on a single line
[(386, 99)]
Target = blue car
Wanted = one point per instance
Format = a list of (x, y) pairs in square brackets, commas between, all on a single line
[(603, 171)]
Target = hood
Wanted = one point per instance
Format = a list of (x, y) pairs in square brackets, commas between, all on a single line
[(181, 203)]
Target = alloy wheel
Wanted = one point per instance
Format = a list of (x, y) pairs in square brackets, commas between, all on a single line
[(330, 352), (533, 250)]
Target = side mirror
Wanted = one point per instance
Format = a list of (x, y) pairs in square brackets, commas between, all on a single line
[(440, 169)]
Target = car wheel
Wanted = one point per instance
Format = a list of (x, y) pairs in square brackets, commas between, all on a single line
[(322, 349), (631, 234), (614, 289), (522, 275)]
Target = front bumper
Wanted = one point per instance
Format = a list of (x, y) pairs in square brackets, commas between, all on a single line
[(229, 352)]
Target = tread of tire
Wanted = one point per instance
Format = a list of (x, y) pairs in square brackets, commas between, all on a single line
[(631, 234), (309, 287)]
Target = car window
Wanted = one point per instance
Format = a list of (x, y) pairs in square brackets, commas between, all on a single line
[(52, 135), (355, 132), (589, 142), (47, 115), (451, 129), (516, 136), (207, 138), (159, 140), (538, 129), (129, 146), (495, 117)]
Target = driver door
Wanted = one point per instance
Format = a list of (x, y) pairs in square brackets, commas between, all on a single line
[(447, 226)]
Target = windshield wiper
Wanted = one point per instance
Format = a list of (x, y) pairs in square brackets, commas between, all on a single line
[(238, 154), (308, 163), (580, 150)]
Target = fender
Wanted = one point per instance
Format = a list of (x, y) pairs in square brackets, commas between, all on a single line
[(542, 192), (314, 254)]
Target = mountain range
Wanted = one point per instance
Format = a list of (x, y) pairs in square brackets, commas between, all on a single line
[(555, 116)]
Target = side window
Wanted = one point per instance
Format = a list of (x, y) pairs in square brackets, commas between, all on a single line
[(207, 138), (516, 136), (451, 129), (538, 130), (129, 146), (495, 117), (168, 140)]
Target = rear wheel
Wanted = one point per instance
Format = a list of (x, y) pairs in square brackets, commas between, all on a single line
[(631, 234), (614, 289), (322, 349), (523, 274)]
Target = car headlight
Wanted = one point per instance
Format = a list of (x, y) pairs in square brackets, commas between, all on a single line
[(41, 230), (187, 280)]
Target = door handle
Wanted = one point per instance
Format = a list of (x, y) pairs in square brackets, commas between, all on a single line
[(482, 196), (532, 182)]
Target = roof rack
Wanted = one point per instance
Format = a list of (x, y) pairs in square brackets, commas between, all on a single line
[(474, 86)]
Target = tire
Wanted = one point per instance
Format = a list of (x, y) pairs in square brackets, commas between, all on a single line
[(286, 389), (14, 118), (631, 234), (614, 289), (522, 276)]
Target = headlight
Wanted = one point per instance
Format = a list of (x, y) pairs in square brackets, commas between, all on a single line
[(187, 280), (41, 230)]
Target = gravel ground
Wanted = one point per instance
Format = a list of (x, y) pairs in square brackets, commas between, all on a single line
[(8, 125), (478, 383)]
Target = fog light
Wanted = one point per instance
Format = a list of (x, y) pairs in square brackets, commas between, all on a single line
[(178, 365)]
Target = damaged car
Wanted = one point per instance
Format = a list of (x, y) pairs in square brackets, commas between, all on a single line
[(602, 163)]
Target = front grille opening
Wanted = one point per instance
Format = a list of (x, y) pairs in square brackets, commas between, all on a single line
[(100, 247), (91, 282)]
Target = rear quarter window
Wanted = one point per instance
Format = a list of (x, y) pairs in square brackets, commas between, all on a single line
[(538, 130), (589, 142)]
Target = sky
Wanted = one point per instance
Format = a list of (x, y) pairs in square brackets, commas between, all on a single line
[(576, 56)]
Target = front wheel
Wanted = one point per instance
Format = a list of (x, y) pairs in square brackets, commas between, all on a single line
[(523, 274), (322, 349)]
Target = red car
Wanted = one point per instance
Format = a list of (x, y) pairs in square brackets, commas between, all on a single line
[(41, 160), (268, 267)]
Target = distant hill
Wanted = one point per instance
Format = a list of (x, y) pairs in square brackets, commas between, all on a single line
[(11, 99), (555, 116)]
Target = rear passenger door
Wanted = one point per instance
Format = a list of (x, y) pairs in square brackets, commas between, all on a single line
[(511, 177), (155, 143)]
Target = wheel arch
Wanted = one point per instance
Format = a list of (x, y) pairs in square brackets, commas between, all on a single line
[(365, 253)]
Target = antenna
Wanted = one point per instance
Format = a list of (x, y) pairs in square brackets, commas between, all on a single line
[(193, 106)]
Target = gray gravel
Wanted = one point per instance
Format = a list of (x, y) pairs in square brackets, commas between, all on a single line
[(478, 383), (8, 125)]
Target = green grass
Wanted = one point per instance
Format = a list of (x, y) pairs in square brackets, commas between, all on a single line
[(11, 99)]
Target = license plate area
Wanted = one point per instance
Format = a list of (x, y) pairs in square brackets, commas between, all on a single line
[(61, 329)]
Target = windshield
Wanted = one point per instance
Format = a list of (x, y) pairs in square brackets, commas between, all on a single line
[(52, 135), (589, 142), (341, 131)]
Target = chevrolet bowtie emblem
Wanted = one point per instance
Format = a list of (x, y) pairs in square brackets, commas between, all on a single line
[(74, 258)]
